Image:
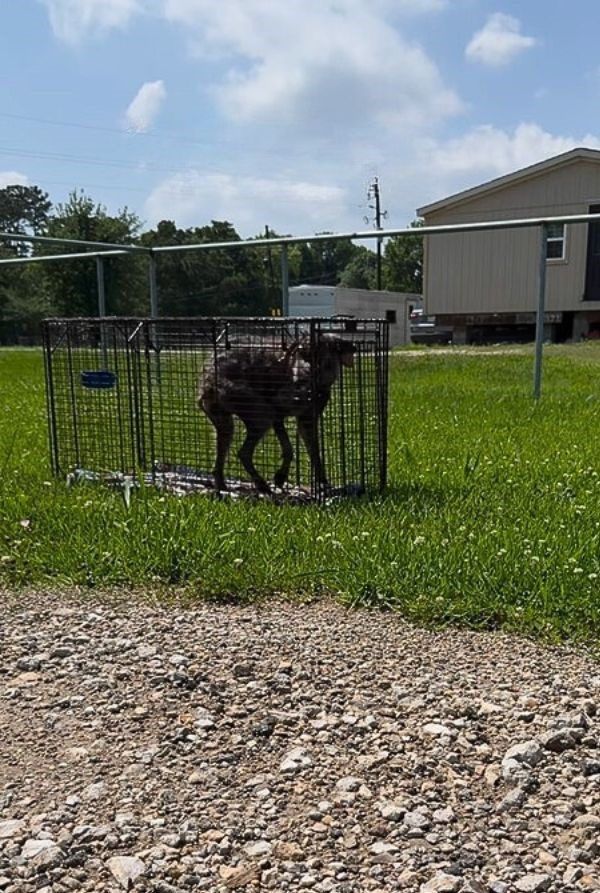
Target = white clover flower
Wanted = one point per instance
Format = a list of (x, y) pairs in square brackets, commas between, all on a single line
[(418, 541)]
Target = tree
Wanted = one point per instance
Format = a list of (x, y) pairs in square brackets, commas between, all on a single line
[(403, 262), (361, 272), (323, 262), (208, 283), (71, 286), (23, 209)]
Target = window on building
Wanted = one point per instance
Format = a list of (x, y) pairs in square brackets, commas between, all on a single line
[(555, 249), (390, 316)]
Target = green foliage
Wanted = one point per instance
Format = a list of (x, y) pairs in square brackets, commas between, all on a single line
[(322, 263), (361, 272), (205, 283), (403, 263), (492, 517), (70, 288), (23, 209)]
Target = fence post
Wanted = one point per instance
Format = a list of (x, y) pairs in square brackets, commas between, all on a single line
[(539, 319), (101, 289), (153, 286), (102, 308), (285, 282)]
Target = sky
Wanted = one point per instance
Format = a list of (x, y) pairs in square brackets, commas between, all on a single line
[(280, 113)]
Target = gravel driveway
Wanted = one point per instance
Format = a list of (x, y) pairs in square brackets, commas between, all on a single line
[(159, 748)]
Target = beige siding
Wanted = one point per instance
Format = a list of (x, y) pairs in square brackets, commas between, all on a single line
[(497, 271)]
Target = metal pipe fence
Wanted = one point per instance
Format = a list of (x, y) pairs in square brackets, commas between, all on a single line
[(102, 250)]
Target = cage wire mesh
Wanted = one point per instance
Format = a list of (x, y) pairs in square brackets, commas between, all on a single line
[(292, 408)]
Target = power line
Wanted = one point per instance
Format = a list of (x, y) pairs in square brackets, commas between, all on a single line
[(171, 136), (183, 188), (78, 159), (166, 135)]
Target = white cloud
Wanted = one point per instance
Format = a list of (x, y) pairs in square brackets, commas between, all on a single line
[(492, 151), (13, 178), (191, 198), (145, 106), (73, 20), (499, 41), (346, 65)]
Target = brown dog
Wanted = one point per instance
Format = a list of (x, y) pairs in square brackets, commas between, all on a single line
[(264, 387)]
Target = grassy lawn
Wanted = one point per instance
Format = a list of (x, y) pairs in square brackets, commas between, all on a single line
[(492, 516)]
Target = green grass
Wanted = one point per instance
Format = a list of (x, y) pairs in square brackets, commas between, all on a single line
[(492, 516)]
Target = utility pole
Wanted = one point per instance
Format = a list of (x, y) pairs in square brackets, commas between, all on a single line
[(373, 194)]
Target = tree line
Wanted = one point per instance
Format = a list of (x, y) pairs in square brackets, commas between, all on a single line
[(243, 281)]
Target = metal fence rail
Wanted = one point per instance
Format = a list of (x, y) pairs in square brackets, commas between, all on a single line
[(102, 250)]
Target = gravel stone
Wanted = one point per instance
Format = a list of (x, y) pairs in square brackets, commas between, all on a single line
[(32, 848), (437, 729), (169, 748), (528, 752), (125, 869), (442, 883), (559, 740), (11, 828), (533, 883)]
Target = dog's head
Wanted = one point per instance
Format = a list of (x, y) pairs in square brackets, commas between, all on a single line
[(329, 354), (339, 347)]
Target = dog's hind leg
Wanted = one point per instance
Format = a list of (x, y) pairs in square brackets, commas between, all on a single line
[(223, 422), (308, 430), (255, 431), (287, 453)]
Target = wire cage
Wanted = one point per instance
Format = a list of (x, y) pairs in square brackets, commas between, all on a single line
[(290, 408)]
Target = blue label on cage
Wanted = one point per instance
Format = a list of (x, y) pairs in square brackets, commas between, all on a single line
[(98, 379)]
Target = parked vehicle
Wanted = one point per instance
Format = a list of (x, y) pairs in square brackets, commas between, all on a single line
[(424, 330)]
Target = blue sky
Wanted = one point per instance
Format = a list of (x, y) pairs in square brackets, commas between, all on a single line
[(280, 112)]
